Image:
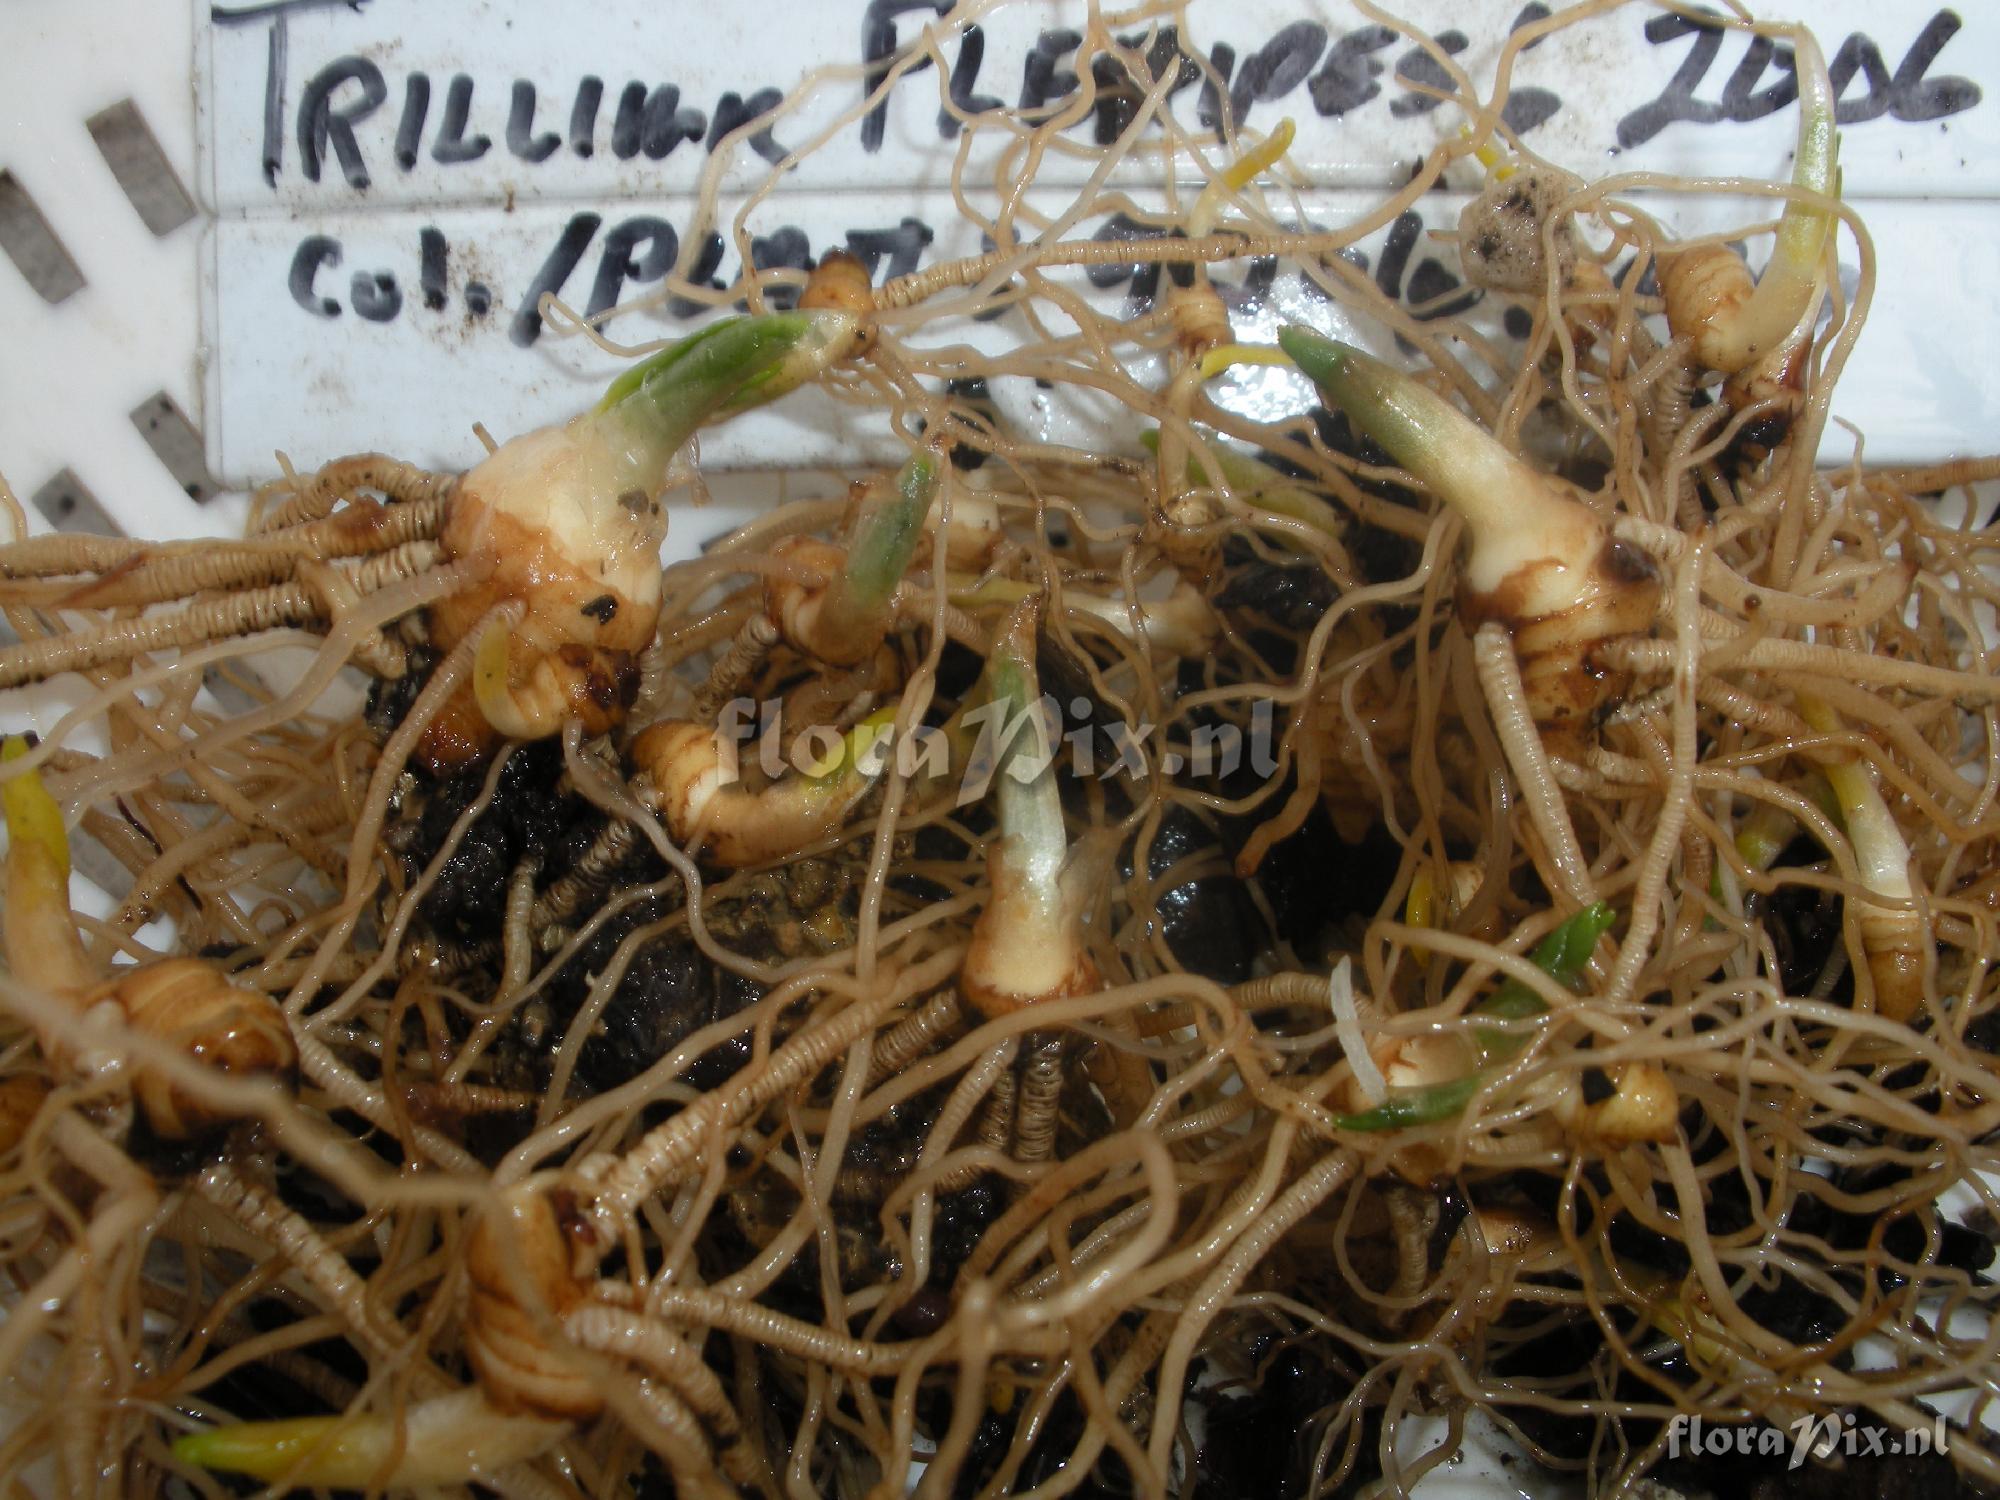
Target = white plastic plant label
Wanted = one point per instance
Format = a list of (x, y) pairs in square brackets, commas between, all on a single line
[(396, 184)]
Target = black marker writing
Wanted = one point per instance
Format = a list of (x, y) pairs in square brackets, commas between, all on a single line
[(1911, 96), (1419, 69), (1348, 79), (878, 45), (1532, 12), (1527, 107), (521, 137), (653, 121), (1859, 55), (622, 261), (1742, 100), (1906, 95), (321, 125), (785, 248), (1209, 104), (964, 74), (1677, 100), (707, 261), (627, 124), (452, 143), (1047, 77), (410, 128), (430, 275), (644, 249), (236, 15), (732, 112), (903, 245), (314, 251), (1276, 68), (1396, 253), (1429, 289), (583, 116), (576, 238), (1119, 93), (274, 101), (1041, 79), (1144, 277), (376, 295)]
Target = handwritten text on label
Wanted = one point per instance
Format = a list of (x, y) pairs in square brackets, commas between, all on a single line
[(344, 117), (373, 197)]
